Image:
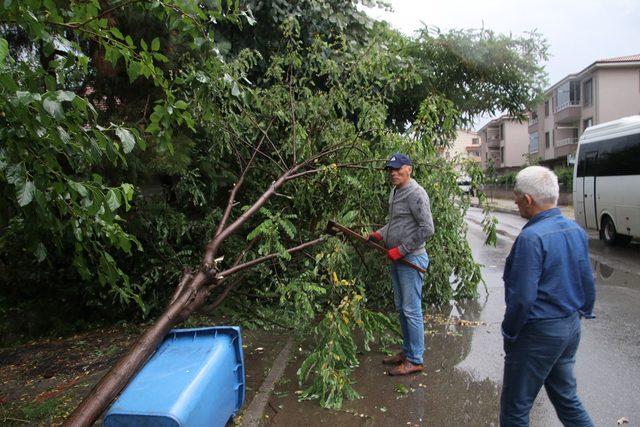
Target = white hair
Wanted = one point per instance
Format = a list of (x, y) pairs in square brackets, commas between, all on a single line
[(540, 183)]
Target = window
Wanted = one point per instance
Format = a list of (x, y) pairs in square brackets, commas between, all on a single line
[(574, 93), (547, 140), (501, 154), (567, 94), (588, 122), (588, 92), (501, 130), (533, 143), (475, 141), (612, 157), (546, 108)]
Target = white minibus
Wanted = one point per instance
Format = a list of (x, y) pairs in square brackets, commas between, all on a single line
[(606, 180)]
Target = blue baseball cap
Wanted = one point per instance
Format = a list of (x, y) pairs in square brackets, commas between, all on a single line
[(397, 160)]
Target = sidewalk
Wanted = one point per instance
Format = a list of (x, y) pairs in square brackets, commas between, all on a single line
[(508, 206)]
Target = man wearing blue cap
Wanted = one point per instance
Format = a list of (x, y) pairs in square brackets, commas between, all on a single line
[(410, 225)]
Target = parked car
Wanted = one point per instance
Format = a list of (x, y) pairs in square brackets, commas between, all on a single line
[(464, 184)]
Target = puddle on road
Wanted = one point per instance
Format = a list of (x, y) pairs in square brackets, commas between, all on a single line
[(610, 276), (442, 395)]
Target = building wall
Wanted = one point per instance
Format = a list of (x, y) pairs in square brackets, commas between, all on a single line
[(463, 139), (548, 126), (589, 112), (515, 143), (618, 93), (488, 155), (615, 94)]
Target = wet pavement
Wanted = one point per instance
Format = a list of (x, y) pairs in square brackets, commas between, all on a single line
[(462, 379)]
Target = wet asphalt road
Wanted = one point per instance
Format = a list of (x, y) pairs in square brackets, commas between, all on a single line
[(463, 375), (608, 361)]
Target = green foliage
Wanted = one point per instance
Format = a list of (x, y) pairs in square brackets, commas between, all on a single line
[(508, 179), (327, 370), (134, 121), (67, 141), (479, 71), (565, 178)]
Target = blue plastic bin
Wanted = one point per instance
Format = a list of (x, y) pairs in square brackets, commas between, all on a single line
[(195, 378)]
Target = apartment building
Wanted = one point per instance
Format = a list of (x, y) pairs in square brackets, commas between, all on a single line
[(504, 143), (606, 90), (465, 146)]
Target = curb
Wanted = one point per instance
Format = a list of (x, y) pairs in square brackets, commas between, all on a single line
[(497, 209), (252, 416)]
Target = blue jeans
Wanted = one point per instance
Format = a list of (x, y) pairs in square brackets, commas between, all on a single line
[(407, 296), (544, 353)]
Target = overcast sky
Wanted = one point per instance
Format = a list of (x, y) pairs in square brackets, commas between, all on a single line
[(579, 32)]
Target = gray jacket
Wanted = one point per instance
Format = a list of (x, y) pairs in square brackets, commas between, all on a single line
[(410, 222)]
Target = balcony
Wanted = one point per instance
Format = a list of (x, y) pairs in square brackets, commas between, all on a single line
[(493, 141), (565, 147), (533, 121), (567, 112), (566, 141)]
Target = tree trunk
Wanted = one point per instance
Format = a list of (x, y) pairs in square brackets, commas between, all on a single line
[(108, 388)]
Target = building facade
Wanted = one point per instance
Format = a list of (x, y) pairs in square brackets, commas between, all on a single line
[(504, 143), (606, 90), (466, 146)]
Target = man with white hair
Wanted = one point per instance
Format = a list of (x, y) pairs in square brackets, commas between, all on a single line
[(549, 286)]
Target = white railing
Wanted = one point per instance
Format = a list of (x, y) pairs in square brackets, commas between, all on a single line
[(566, 105), (566, 141), (533, 121)]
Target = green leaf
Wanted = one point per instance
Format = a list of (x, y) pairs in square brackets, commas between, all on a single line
[(181, 105), (116, 32), (128, 141), (4, 50), (65, 95), (50, 82), (127, 194), (133, 71), (54, 108), (25, 193), (155, 44), (78, 188), (24, 98), (144, 45), (113, 200), (15, 174), (235, 90), (40, 252)]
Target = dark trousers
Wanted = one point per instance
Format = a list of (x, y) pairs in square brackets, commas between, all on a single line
[(543, 354)]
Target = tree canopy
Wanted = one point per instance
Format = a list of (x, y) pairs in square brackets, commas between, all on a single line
[(126, 124)]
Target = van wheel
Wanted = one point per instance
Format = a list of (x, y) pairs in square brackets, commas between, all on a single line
[(609, 234)]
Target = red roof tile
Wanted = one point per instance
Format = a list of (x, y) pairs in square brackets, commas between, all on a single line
[(629, 58)]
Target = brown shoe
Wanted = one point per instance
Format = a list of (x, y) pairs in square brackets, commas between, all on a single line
[(396, 359), (406, 368)]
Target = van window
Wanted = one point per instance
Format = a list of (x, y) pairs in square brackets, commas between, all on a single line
[(619, 156), (591, 163)]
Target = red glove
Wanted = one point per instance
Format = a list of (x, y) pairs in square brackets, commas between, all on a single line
[(394, 254), (375, 237)]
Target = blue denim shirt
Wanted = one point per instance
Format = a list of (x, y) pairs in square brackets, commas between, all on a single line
[(547, 275)]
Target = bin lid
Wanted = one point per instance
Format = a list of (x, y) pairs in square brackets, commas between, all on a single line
[(193, 373)]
